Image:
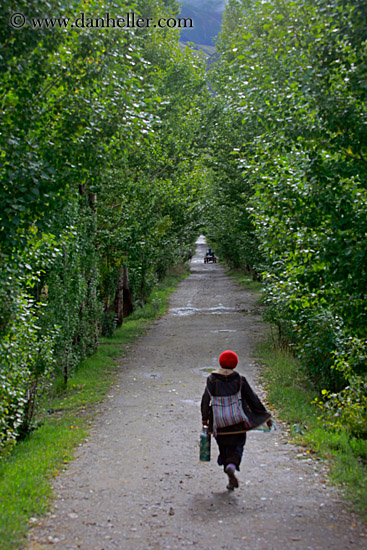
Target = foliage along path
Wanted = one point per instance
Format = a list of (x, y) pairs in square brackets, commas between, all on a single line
[(137, 482)]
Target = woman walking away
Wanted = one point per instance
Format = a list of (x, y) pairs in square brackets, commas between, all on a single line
[(230, 408)]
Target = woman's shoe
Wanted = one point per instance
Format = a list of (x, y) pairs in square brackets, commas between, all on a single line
[(233, 481)]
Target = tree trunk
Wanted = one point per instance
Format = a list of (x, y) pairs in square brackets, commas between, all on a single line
[(118, 304), (128, 302), (123, 305)]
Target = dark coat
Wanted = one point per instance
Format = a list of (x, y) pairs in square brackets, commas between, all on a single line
[(219, 384)]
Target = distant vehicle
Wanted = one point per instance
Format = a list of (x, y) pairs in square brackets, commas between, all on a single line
[(210, 257)]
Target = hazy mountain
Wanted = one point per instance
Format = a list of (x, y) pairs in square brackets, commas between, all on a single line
[(207, 5), (206, 16)]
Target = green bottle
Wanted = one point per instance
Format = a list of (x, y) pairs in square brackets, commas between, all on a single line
[(205, 445)]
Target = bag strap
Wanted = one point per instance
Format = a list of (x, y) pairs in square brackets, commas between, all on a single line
[(239, 391)]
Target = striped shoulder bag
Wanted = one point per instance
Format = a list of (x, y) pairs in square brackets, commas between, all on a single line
[(227, 410)]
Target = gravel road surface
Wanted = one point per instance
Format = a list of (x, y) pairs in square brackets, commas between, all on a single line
[(137, 483)]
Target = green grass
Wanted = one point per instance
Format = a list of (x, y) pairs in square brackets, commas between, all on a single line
[(245, 280), (25, 475), (290, 394), (287, 386)]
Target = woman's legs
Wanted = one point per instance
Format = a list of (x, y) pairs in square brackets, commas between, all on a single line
[(231, 449), (230, 455)]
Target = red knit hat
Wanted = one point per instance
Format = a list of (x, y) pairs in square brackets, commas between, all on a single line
[(228, 359)]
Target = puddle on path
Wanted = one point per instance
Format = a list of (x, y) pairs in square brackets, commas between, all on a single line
[(189, 310), (207, 369), (152, 375), (223, 330)]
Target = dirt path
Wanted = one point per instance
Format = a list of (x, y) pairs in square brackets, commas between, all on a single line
[(138, 484)]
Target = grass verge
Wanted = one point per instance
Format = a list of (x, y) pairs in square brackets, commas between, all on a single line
[(290, 393), (245, 280), (25, 475)]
